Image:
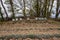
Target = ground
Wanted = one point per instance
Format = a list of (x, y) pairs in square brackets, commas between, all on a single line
[(29, 27)]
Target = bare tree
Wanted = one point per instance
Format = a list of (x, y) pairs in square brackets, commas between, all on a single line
[(31, 11), (57, 9), (37, 8), (38, 13), (11, 3), (40, 5), (48, 5), (24, 8), (51, 5), (44, 8), (1, 14), (4, 9)]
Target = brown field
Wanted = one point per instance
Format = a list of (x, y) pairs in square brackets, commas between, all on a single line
[(29, 27)]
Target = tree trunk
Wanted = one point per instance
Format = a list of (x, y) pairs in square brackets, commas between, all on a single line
[(40, 8), (11, 3), (24, 9), (57, 9), (38, 14), (4, 9), (48, 4), (1, 14), (45, 8), (51, 5)]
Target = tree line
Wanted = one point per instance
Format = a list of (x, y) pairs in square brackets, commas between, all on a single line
[(42, 8)]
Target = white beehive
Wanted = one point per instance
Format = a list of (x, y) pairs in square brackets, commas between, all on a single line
[(13, 19), (20, 18), (28, 18), (16, 19)]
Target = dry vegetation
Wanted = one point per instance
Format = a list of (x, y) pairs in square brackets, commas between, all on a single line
[(29, 27)]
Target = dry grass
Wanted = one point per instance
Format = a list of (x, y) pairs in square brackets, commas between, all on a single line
[(29, 27)]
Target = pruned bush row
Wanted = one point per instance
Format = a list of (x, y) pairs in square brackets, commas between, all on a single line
[(47, 29), (32, 36)]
